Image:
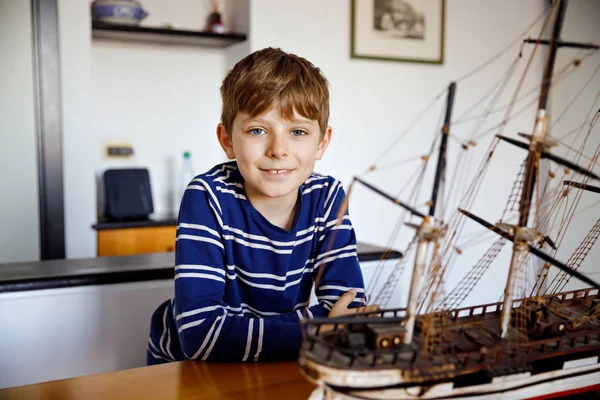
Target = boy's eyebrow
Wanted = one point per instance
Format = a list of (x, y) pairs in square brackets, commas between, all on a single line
[(301, 120), (293, 120), (252, 119)]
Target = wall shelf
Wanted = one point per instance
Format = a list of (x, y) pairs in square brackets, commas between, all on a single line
[(133, 33)]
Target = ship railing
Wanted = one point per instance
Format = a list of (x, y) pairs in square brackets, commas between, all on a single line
[(558, 344), (480, 310), (484, 309), (391, 315), (583, 294)]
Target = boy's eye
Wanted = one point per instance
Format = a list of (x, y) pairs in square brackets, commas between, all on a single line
[(298, 132), (257, 131)]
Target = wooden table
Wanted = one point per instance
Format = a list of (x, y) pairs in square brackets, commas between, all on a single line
[(181, 380), (189, 380)]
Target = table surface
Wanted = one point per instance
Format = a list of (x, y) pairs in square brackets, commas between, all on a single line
[(180, 380), (189, 380)]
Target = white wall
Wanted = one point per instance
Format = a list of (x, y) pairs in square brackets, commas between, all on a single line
[(372, 102), (581, 88), (236, 16), (19, 226), (80, 148)]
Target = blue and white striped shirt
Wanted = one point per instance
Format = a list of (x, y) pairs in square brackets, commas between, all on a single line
[(242, 284)]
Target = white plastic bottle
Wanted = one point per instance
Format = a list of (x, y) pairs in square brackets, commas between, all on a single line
[(186, 174)]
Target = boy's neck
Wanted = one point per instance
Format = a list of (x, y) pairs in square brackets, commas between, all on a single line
[(279, 211)]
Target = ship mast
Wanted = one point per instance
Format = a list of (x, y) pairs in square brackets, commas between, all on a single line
[(428, 231), (521, 232), (526, 239), (441, 163)]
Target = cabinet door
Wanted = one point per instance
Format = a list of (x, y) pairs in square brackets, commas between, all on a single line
[(117, 242)]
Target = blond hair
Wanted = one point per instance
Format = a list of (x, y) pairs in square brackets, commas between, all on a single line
[(271, 77)]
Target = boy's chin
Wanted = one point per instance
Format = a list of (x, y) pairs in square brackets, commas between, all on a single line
[(279, 192)]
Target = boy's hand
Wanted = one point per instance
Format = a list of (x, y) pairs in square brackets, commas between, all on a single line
[(341, 306)]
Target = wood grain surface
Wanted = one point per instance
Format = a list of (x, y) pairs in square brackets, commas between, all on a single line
[(181, 380)]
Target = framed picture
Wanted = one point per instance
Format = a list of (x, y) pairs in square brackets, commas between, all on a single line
[(398, 30)]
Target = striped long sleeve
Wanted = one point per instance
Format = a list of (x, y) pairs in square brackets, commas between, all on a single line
[(241, 284), (337, 260), (208, 328)]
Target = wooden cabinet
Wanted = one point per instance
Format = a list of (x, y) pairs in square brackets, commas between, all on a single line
[(138, 237), (120, 242)]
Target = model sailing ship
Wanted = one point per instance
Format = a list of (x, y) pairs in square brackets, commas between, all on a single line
[(546, 341)]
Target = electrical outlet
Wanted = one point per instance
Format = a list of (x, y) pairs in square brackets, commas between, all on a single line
[(118, 150)]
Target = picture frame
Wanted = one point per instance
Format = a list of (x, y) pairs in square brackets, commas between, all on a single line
[(398, 30)]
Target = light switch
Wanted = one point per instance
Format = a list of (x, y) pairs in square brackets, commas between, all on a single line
[(118, 150)]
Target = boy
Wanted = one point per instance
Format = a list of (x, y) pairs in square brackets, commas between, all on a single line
[(253, 234)]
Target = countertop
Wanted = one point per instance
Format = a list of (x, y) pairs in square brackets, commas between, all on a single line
[(121, 269), (105, 224)]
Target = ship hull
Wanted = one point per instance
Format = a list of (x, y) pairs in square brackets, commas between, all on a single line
[(550, 384), (467, 362)]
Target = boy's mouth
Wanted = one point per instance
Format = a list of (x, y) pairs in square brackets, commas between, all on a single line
[(276, 172)]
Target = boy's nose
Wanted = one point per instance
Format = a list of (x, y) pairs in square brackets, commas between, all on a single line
[(278, 148)]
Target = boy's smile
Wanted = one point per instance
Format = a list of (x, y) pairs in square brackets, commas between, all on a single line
[(277, 173), (274, 155)]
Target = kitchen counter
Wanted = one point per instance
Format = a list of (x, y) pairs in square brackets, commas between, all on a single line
[(120, 269)]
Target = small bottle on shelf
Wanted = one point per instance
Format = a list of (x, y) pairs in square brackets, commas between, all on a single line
[(186, 174)]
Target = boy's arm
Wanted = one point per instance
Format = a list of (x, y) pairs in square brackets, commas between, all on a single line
[(336, 268), (206, 327)]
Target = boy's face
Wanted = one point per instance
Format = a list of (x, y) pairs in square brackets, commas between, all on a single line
[(274, 155)]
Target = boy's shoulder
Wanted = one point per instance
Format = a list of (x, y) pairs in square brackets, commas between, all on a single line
[(222, 183), (317, 181), (224, 174), (322, 190)]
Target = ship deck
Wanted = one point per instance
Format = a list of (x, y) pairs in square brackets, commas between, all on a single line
[(465, 341)]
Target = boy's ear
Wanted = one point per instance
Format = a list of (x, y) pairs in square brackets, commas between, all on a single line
[(324, 143), (225, 141)]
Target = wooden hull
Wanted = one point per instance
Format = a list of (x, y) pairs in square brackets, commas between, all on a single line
[(520, 386), (467, 361)]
